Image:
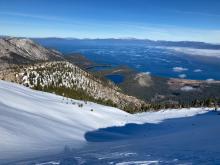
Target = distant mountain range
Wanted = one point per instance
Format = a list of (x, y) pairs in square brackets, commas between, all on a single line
[(123, 41), (120, 42)]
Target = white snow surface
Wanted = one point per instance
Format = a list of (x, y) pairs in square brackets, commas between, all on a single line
[(33, 122)]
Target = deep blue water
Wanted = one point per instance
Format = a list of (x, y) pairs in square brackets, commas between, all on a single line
[(116, 78), (100, 68), (158, 61)]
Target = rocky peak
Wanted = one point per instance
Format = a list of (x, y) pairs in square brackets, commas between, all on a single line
[(15, 51)]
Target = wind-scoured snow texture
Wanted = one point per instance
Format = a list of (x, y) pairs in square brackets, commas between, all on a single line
[(34, 122)]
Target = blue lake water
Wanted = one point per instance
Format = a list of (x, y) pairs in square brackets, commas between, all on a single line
[(117, 79), (99, 68), (158, 61)]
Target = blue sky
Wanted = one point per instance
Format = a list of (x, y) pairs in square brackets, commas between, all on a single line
[(196, 20)]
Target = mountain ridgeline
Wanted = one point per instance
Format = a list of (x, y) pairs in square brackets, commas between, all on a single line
[(25, 62), (15, 51), (62, 42)]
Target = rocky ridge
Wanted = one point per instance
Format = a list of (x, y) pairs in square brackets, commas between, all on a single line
[(64, 74), (17, 51)]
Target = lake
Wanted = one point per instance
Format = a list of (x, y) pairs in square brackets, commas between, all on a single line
[(156, 60), (116, 78)]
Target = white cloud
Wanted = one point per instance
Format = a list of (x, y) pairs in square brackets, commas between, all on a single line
[(42, 17), (182, 76), (179, 69), (195, 52), (210, 80), (198, 13), (197, 70), (187, 88)]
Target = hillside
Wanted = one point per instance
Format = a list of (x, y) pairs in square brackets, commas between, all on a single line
[(69, 80), (36, 119), (15, 51), (162, 92), (35, 123), (165, 91)]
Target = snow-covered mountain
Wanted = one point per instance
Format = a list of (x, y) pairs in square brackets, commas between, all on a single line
[(35, 123), (69, 80)]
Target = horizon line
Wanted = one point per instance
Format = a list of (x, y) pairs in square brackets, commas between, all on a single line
[(113, 38)]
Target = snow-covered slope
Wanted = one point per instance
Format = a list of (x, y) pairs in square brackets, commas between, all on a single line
[(34, 122)]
